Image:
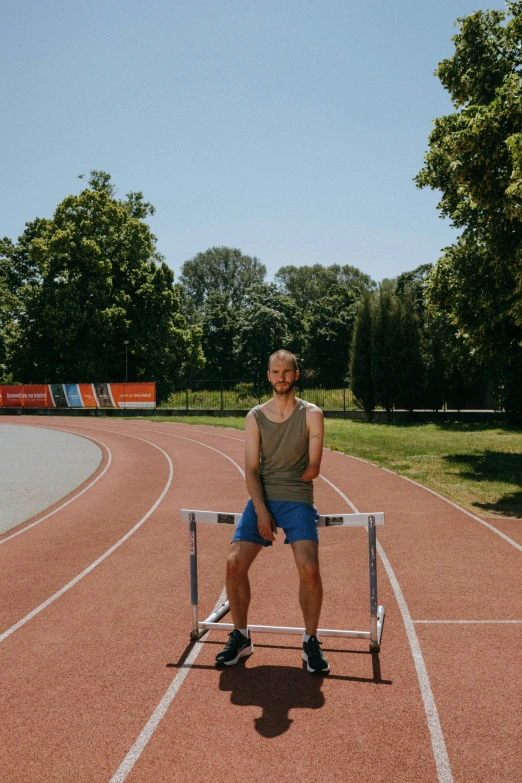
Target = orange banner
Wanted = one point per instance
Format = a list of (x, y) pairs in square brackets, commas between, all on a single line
[(133, 395), (87, 395), (79, 395), (36, 396)]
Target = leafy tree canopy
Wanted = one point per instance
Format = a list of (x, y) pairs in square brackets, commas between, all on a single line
[(475, 160), (268, 321), (308, 284), (223, 270), (89, 279), (330, 328)]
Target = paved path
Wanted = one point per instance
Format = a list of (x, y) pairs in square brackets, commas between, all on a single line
[(40, 467)]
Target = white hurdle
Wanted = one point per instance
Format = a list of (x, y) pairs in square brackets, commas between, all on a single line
[(369, 521)]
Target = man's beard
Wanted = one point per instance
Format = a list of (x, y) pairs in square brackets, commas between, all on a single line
[(285, 391)]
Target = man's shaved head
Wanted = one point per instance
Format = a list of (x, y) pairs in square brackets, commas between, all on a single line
[(285, 356)]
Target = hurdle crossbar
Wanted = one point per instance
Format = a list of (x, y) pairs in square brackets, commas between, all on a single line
[(369, 521)]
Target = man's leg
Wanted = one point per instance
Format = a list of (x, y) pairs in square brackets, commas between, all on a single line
[(311, 598), (240, 558), (306, 555)]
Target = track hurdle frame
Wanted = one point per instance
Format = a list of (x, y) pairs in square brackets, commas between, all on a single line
[(369, 521)]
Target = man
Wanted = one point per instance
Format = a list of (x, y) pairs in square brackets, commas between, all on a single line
[(283, 450)]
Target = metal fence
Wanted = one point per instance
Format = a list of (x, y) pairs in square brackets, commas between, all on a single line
[(243, 394), (330, 394)]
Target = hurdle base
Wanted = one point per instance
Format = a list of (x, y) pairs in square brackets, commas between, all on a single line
[(212, 623), (286, 630), (375, 644)]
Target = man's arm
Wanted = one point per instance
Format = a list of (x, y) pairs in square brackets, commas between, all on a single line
[(265, 524), (315, 427)]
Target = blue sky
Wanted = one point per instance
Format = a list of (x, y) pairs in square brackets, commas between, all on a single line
[(289, 129)]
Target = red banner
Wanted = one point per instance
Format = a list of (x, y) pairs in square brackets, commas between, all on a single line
[(79, 395), (26, 397)]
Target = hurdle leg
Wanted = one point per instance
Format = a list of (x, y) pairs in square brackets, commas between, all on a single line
[(195, 632), (375, 631)]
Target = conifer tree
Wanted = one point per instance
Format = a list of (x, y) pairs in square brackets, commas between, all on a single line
[(361, 361)]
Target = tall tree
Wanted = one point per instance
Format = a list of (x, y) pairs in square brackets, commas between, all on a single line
[(309, 284), (409, 358), (219, 324), (268, 321), (223, 270), (361, 379), (91, 278), (386, 349), (475, 160), (330, 328)]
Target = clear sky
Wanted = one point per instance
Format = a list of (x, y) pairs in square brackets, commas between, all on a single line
[(291, 129)]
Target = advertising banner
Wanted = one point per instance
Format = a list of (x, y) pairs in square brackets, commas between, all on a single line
[(133, 395), (79, 395), (26, 397), (87, 395)]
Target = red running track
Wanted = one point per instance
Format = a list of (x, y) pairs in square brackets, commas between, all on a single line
[(101, 684)]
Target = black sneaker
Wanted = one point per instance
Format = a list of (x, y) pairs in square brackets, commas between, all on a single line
[(316, 663), (236, 647)]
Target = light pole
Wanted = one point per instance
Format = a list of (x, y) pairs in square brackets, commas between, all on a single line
[(126, 344)]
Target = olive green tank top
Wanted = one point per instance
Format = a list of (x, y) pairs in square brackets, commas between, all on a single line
[(284, 456)]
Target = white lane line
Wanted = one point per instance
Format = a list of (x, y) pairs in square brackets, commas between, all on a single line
[(339, 491), (193, 429), (430, 708), (106, 554), (460, 622), (159, 713), (67, 502), (152, 724), (205, 445), (455, 505), (440, 752), (438, 745)]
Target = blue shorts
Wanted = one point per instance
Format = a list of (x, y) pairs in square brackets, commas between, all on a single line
[(298, 520)]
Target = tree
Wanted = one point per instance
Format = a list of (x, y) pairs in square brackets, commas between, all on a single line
[(412, 286), (475, 160), (409, 359), (268, 321), (223, 270), (386, 349), (361, 380), (89, 279), (219, 325), (9, 308), (330, 329), (309, 284)]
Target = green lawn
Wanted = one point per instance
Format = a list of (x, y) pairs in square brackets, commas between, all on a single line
[(478, 466)]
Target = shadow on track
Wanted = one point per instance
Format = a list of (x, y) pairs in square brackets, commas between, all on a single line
[(278, 689)]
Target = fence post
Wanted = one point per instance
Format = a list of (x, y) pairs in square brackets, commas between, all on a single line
[(344, 395), (259, 391), (221, 390), (186, 395)]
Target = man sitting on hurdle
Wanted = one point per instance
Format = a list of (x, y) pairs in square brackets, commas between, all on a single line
[(283, 450)]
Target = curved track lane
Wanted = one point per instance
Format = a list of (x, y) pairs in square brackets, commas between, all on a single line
[(86, 675)]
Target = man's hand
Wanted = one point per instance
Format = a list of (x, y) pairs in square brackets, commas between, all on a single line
[(266, 525)]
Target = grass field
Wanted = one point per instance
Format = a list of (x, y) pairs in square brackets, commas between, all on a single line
[(478, 466)]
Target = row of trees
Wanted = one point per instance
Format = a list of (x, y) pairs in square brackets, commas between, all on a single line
[(74, 287), (309, 310), (407, 355)]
